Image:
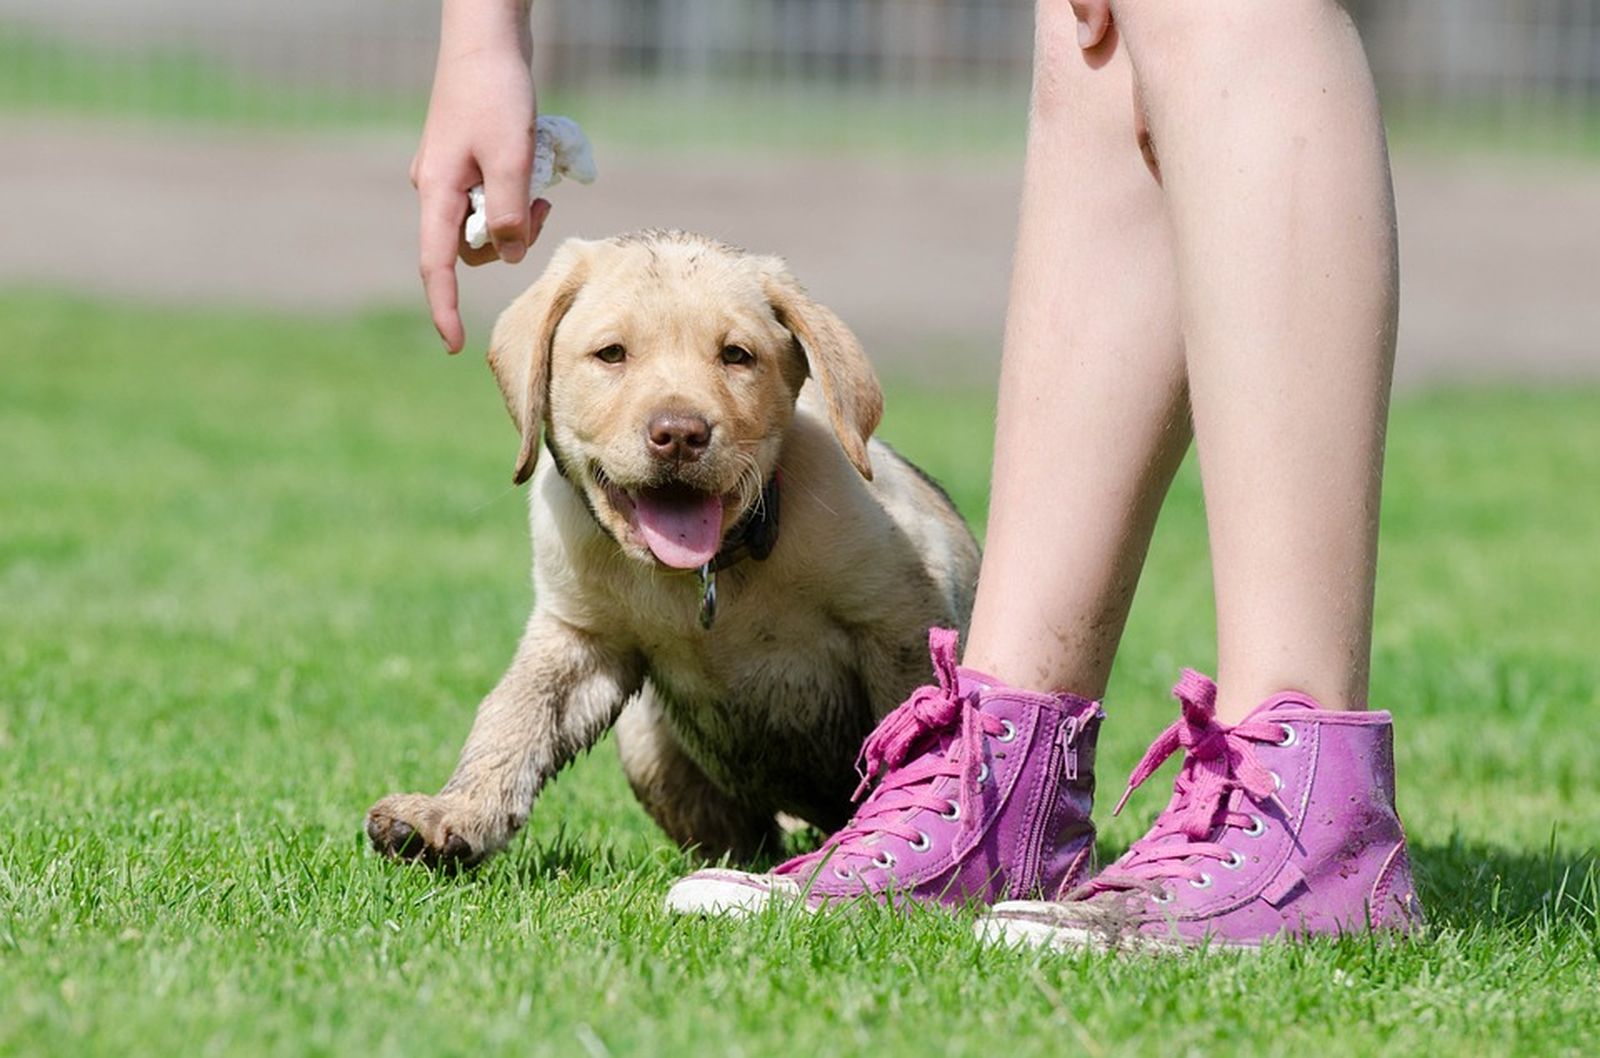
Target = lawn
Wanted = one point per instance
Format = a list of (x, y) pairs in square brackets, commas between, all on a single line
[(255, 573)]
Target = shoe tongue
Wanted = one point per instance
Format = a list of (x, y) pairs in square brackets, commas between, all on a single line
[(1278, 705), (682, 528), (971, 681)]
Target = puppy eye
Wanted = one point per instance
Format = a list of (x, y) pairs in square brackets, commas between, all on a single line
[(737, 354), (611, 354)]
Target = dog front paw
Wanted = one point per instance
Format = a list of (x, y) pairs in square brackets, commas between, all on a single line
[(436, 831)]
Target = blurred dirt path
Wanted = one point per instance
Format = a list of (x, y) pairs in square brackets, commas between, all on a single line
[(1500, 260)]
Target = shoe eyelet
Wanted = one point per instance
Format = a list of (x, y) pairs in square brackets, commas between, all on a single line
[(843, 875), (1008, 734), (954, 813), (1277, 780), (884, 862), (1290, 735), (1234, 861), (983, 772), (1202, 882), (922, 844), (1258, 827), (1161, 898)]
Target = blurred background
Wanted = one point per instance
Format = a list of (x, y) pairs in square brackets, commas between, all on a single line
[(235, 152)]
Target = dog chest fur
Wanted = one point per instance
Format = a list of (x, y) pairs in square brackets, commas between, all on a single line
[(810, 647)]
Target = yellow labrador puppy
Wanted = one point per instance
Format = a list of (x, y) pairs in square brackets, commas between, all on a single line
[(727, 568)]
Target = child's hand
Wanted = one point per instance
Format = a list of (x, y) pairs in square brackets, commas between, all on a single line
[(479, 130), (1094, 18)]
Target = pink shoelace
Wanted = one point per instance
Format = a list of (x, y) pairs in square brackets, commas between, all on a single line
[(1217, 760), (949, 729)]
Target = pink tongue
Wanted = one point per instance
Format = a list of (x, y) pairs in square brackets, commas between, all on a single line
[(683, 533)]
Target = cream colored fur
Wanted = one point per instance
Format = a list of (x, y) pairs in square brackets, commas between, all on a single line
[(719, 731)]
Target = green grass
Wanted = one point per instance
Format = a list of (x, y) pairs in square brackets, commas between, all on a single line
[(254, 574)]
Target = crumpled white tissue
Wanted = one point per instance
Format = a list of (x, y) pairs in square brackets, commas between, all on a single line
[(560, 149)]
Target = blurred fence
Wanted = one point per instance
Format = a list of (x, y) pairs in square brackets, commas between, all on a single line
[(927, 73), (873, 44), (1512, 71)]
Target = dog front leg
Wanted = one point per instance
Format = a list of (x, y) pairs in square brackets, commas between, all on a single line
[(563, 690)]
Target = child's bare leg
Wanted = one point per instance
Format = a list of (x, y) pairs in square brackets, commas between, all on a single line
[(1093, 420), (1271, 150)]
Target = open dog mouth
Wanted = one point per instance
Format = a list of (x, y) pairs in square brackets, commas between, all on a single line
[(680, 524)]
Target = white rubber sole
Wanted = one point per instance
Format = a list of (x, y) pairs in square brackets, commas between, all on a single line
[(724, 897), (1002, 930), (1007, 932)]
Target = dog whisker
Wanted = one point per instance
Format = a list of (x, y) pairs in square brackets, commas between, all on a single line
[(790, 479), (751, 494), (498, 497)]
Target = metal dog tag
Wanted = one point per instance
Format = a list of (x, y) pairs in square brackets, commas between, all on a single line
[(708, 595)]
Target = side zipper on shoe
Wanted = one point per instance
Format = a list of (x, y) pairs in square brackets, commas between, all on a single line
[(1063, 768)]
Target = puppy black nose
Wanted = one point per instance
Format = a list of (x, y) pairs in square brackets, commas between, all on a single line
[(677, 436)]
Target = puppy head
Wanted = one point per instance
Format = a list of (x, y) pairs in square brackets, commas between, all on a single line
[(664, 368)]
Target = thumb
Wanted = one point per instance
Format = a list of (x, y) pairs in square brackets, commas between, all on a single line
[(1094, 18)]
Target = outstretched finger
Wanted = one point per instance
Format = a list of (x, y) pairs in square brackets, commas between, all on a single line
[(442, 214)]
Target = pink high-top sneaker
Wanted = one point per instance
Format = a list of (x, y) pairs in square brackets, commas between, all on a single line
[(1283, 824), (985, 794)]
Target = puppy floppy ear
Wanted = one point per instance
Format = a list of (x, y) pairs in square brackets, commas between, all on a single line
[(519, 349), (835, 359)]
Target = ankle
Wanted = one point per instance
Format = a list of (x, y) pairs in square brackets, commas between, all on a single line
[(1239, 694), (1035, 674)]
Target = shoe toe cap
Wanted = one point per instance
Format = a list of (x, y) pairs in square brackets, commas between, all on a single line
[(726, 893), (1032, 924)]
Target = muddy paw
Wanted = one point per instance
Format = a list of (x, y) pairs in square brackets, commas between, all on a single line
[(424, 829)]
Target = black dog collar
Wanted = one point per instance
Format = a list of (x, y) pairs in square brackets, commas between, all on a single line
[(755, 535)]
